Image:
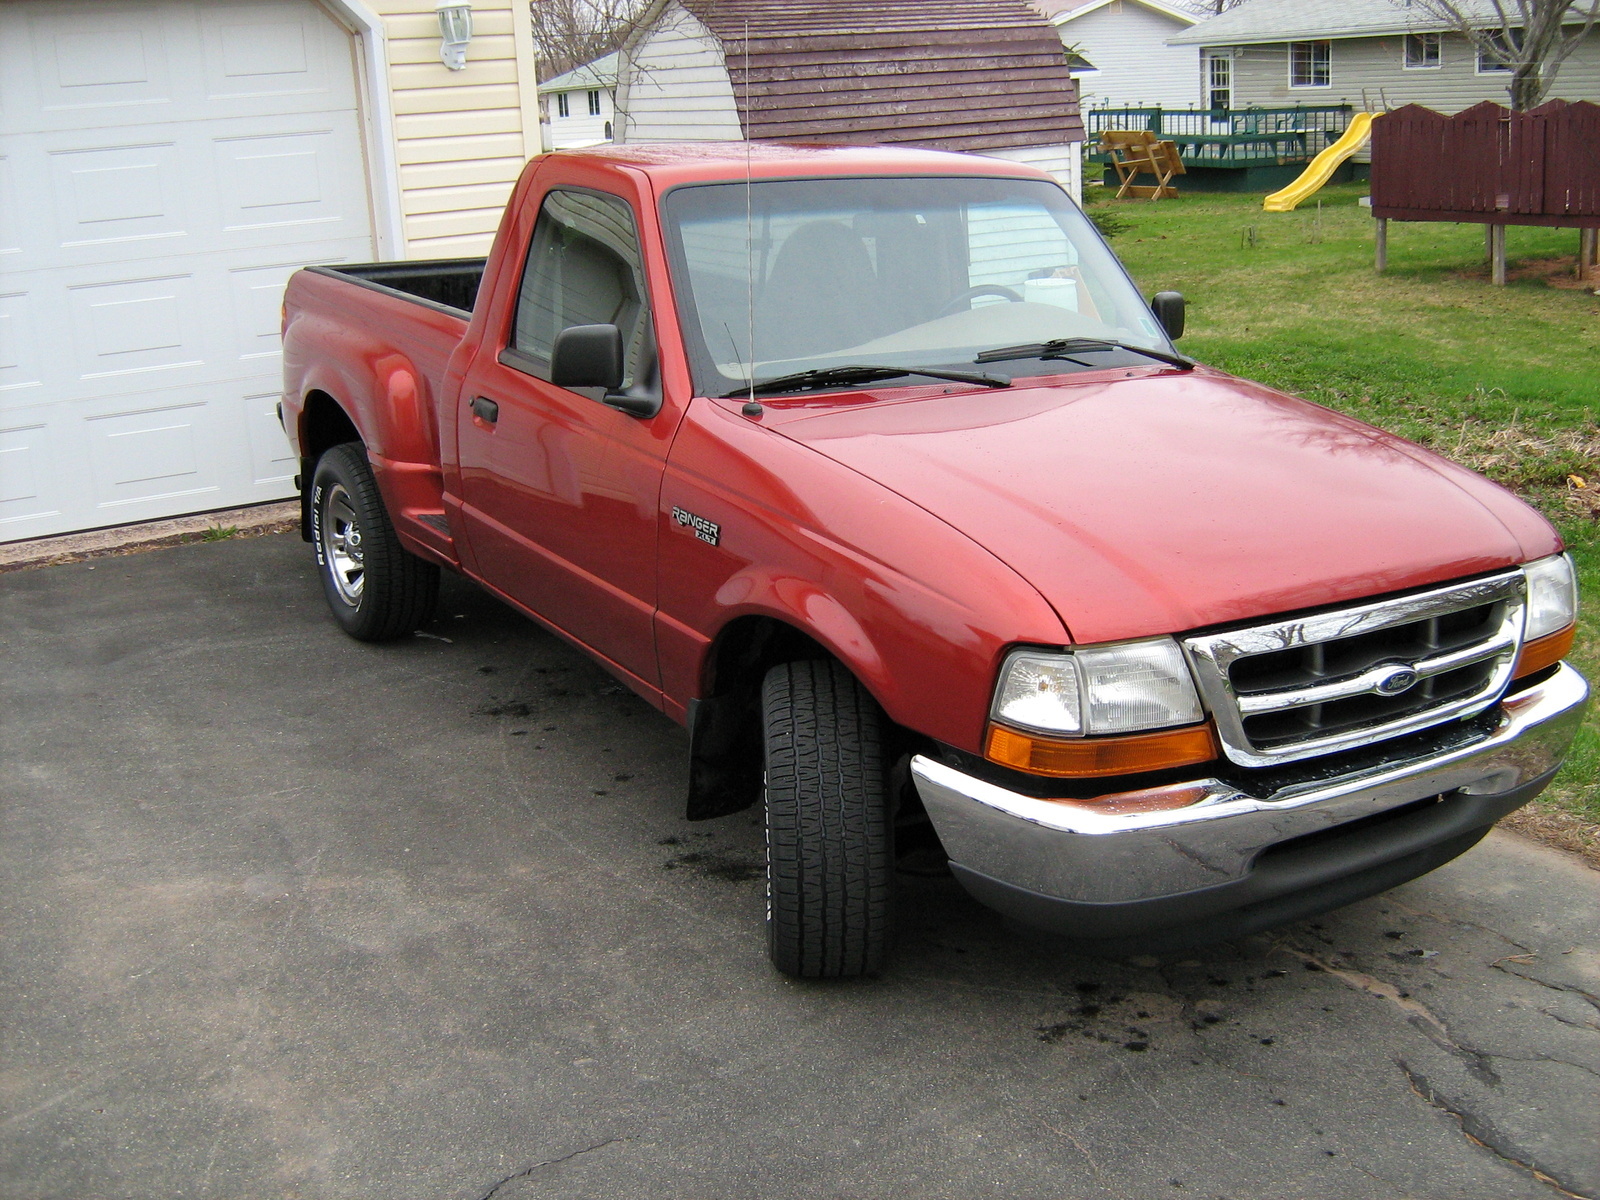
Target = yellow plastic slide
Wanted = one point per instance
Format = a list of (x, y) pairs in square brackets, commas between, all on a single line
[(1322, 166)]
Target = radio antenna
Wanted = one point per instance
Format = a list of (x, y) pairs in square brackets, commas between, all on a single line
[(752, 406)]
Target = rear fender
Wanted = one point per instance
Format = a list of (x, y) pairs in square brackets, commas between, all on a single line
[(392, 416)]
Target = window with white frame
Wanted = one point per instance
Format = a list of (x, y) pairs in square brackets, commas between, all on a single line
[(594, 104), (1422, 51), (1488, 59), (563, 109), (1310, 64)]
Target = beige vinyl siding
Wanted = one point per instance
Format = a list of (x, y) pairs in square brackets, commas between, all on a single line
[(428, 175), (1376, 65), (674, 87), (461, 137)]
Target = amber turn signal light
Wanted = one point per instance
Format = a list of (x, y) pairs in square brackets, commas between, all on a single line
[(1086, 757), (1543, 652)]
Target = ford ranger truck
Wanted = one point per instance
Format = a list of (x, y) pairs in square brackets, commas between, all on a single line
[(873, 469)]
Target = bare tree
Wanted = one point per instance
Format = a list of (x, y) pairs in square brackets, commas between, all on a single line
[(1531, 38), (569, 33)]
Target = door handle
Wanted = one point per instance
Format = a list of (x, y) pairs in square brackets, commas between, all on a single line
[(485, 409)]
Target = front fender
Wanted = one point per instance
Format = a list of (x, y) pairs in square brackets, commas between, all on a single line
[(805, 606), (920, 613)]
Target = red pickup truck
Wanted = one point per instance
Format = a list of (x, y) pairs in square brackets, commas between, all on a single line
[(873, 468)]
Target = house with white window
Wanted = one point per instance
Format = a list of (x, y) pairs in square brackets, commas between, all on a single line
[(165, 166), (578, 108), (1372, 54), (1122, 56)]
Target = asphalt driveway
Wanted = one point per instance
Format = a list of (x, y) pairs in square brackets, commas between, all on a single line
[(290, 916)]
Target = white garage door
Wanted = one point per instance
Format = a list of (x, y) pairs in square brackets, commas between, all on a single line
[(164, 167)]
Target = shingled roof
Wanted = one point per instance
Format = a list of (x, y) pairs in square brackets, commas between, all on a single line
[(1266, 21), (955, 74)]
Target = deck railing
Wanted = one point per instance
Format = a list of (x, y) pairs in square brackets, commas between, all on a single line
[(1231, 137)]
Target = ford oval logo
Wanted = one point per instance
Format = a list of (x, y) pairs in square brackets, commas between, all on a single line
[(1395, 680)]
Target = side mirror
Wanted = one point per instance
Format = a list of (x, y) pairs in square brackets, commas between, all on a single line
[(587, 356), (1168, 308)]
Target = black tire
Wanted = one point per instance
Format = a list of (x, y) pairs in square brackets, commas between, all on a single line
[(830, 852), (377, 590)]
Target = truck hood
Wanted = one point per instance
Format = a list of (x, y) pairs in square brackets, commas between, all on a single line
[(1160, 502)]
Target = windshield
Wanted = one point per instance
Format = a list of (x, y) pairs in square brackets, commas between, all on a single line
[(783, 276)]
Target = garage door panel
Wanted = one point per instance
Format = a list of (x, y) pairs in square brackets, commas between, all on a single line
[(21, 356), (272, 461), (145, 455), (257, 296), (27, 224), (256, 58), (24, 467), (10, 213), (292, 178), (117, 193), (256, 50), (136, 326), (92, 58)]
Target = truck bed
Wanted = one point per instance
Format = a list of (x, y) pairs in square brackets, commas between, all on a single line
[(450, 284), (383, 352)]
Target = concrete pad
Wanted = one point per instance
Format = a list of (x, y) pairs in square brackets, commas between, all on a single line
[(291, 916), (254, 519)]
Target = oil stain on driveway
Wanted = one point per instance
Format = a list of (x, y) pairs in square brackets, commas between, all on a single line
[(290, 916)]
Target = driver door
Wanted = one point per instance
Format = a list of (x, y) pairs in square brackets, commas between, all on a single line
[(559, 491)]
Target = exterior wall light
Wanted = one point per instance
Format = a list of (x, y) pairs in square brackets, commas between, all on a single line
[(455, 31)]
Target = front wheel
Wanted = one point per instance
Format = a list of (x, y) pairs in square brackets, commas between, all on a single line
[(830, 855), (377, 590)]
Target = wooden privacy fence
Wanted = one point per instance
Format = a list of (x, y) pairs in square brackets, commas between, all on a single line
[(1490, 166)]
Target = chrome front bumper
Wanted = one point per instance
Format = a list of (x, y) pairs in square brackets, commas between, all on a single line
[(1088, 858)]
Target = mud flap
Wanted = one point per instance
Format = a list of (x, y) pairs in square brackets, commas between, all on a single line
[(302, 483), (724, 756)]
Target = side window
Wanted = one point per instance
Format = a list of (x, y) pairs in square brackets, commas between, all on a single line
[(583, 268)]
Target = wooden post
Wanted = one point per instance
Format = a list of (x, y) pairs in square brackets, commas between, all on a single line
[(1497, 254), (1381, 261), (1588, 243)]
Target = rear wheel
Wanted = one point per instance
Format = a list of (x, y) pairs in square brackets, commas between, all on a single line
[(376, 588), (829, 842)]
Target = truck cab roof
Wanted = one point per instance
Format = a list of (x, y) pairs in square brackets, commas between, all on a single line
[(671, 163)]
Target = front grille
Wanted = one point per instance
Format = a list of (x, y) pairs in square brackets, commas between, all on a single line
[(1351, 676)]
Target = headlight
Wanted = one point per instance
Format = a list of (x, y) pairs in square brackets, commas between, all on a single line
[(1122, 688), (1552, 596)]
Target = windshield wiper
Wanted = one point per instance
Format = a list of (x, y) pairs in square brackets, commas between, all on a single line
[(844, 376), (1067, 347)]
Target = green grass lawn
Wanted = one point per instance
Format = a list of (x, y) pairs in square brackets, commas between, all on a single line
[(1505, 380)]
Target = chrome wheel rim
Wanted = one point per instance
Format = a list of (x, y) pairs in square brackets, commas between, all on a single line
[(341, 546)]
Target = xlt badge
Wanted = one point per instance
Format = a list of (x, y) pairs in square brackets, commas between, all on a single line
[(705, 530)]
